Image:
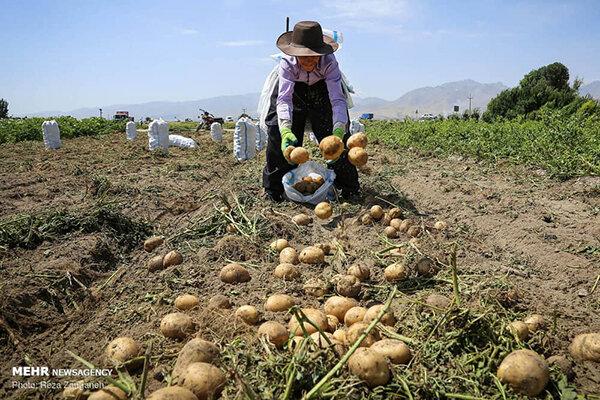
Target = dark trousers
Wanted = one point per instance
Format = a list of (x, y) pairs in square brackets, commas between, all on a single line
[(312, 103)]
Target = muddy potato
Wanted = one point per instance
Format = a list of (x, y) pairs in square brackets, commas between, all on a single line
[(275, 333), (153, 242), (390, 232), (186, 302), (288, 152), (176, 325), (358, 157), (323, 210), (519, 329), (438, 301), (586, 347), (156, 263), (376, 212), (289, 255), (404, 225), (366, 219), (172, 393), (196, 350), (299, 155), (359, 139), (534, 322), (395, 272), (326, 247), (286, 271), (426, 267), (354, 315), (562, 363), (317, 317), (388, 318), (279, 244), (301, 219), (332, 323), (339, 306), (316, 287), (319, 180), (348, 286), (172, 258), (440, 225), (360, 271), (122, 349), (108, 393), (395, 350), (397, 252), (231, 228), (357, 329), (279, 303), (525, 372), (395, 213), (395, 223), (322, 340), (248, 314), (340, 336), (331, 147), (234, 273), (413, 231), (205, 380), (369, 366), (300, 186), (386, 219), (219, 301), (312, 255)]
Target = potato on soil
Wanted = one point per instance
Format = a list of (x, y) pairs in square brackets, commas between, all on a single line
[(108, 393), (534, 322), (316, 287), (440, 225), (397, 252), (339, 335), (286, 271), (312, 255), (390, 232), (395, 350), (231, 228), (387, 319), (301, 219), (525, 372), (275, 333), (299, 155), (339, 306), (326, 247), (360, 271), (366, 219), (369, 366), (323, 210), (289, 255), (354, 315), (225, 209), (234, 273), (395, 272), (332, 322), (427, 267), (404, 225), (205, 380), (288, 152), (172, 258), (279, 303), (172, 393), (153, 242), (186, 302), (156, 263), (122, 349), (519, 329), (414, 231), (348, 286), (331, 147), (586, 347), (176, 325), (438, 301), (248, 314), (562, 363), (395, 213), (196, 350), (317, 317), (385, 220), (279, 244), (359, 139), (322, 340), (219, 301), (357, 329), (395, 223), (376, 212)]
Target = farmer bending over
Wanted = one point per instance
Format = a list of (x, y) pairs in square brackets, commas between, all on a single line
[(309, 87)]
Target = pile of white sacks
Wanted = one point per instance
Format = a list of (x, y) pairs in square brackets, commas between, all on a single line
[(248, 139), (159, 138)]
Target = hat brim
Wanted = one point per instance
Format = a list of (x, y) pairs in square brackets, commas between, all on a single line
[(284, 43)]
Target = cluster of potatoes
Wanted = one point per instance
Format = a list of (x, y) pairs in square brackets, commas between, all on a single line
[(394, 222), (332, 148), (161, 261), (309, 184)]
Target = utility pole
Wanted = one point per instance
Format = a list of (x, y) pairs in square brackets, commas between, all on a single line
[(100, 112), (470, 98)]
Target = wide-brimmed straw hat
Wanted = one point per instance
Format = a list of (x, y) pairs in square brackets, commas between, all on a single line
[(306, 39)]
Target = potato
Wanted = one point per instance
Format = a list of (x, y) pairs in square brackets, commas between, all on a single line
[(404, 225), (332, 322), (390, 232), (395, 272), (248, 314), (388, 318), (316, 287), (331, 147), (172, 258), (413, 231), (395, 350), (225, 209), (317, 317), (354, 315), (156, 263), (312, 255), (357, 329), (395, 223), (395, 213), (563, 364), (231, 228), (122, 349), (366, 219), (525, 372), (186, 301), (360, 271), (320, 339), (279, 245), (339, 306), (348, 286), (302, 219), (359, 139), (275, 333), (586, 347), (109, 392), (289, 255), (196, 350), (426, 267), (397, 252), (340, 336), (319, 180), (534, 322), (325, 247), (358, 156), (234, 273), (286, 271), (323, 210), (369, 366), (205, 380), (440, 225), (176, 325), (519, 329), (279, 303), (438, 301), (299, 155), (376, 212), (385, 220), (287, 153), (153, 242), (219, 301), (301, 186), (172, 393)]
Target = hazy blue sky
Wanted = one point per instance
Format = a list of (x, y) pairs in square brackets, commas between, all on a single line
[(61, 55)]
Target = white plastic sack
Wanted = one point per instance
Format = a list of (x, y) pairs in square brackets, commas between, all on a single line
[(182, 141), (261, 139), (356, 126), (216, 132), (130, 130), (158, 135), (51, 133), (244, 140), (309, 168)]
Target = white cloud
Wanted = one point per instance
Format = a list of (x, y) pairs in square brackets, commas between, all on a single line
[(242, 43), (188, 31)]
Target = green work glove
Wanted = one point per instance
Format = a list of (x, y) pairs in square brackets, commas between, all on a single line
[(287, 139), (339, 132)]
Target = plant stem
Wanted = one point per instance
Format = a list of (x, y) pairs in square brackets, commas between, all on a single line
[(455, 275)]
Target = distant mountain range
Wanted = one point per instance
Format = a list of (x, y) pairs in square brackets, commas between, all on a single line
[(434, 100)]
